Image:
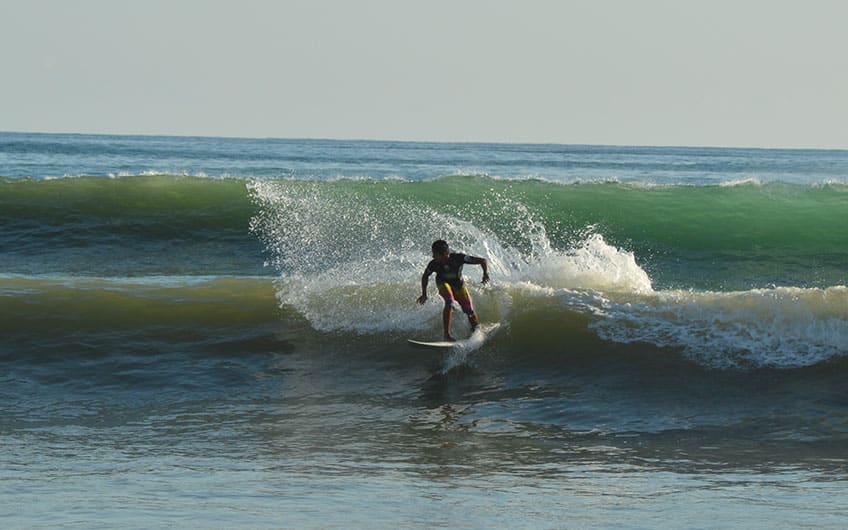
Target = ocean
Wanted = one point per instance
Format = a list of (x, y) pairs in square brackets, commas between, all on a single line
[(211, 333)]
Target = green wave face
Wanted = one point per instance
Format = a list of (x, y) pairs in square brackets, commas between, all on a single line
[(719, 237)]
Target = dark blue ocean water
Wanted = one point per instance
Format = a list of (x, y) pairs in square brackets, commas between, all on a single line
[(211, 333)]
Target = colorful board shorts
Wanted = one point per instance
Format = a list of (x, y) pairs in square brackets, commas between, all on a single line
[(459, 293)]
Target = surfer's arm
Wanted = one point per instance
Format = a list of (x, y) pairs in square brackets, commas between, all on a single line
[(425, 279), (483, 262)]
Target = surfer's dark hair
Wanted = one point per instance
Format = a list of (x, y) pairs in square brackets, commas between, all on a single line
[(440, 246)]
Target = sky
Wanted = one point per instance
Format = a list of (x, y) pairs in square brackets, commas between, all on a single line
[(741, 73)]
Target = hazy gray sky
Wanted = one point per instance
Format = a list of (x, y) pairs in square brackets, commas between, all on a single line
[(765, 73)]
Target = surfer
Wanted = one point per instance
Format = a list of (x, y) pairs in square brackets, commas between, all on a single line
[(448, 268)]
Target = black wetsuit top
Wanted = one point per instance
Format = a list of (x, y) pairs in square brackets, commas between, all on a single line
[(450, 272)]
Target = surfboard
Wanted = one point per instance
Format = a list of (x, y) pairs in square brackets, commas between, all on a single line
[(437, 345), (476, 339)]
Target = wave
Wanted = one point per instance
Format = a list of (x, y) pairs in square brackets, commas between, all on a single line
[(735, 215), (139, 225), (777, 328), (781, 328), (759, 328), (686, 236), (742, 276), (350, 255), (175, 201), (59, 305)]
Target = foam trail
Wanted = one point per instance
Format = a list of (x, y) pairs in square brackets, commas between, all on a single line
[(458, 355)]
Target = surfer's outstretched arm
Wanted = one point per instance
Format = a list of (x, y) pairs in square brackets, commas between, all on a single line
[(425, 279)]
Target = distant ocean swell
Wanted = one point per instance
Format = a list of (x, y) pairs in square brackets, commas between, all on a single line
[(747, 275)]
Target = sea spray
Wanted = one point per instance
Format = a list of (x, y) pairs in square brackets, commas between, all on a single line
[(351, 260), (459, 354)]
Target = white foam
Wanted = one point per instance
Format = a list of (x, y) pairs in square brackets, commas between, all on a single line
[(745, 181), (593, 264), (779, 328), (458, 355)]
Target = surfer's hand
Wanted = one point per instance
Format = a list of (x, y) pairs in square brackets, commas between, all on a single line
[(422, 299), (485, 277)]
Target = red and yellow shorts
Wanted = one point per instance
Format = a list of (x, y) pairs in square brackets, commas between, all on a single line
[(459, 293)]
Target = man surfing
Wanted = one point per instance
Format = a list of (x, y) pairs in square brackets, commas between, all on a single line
[(448, 268)]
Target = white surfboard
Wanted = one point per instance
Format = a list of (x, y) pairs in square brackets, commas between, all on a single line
[(437, 345), (475, 340)]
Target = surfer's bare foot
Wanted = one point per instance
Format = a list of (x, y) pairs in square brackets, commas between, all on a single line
[(449, 338)]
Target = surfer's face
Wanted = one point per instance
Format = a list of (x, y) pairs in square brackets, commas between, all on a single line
[(441, 256)]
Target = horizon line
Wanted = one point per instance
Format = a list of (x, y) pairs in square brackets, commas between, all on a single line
[(410, 141)]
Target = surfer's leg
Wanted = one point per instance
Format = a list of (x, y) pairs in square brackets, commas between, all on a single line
[(464, 299), (446, 293), (446, 322)]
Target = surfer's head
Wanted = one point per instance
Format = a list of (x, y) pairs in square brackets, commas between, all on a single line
[(440, 248)]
